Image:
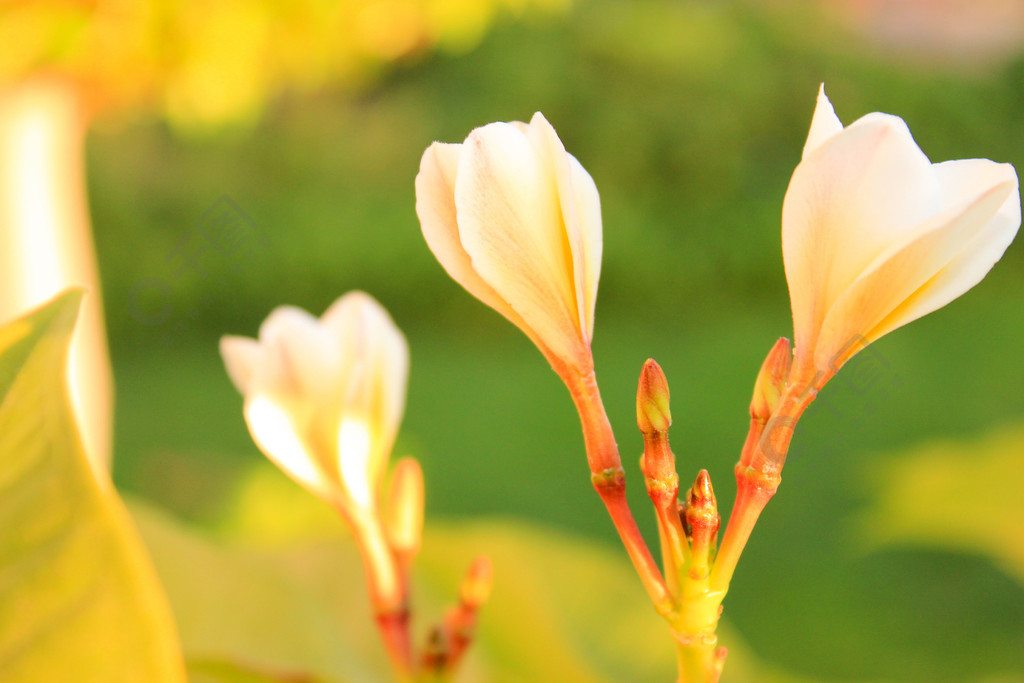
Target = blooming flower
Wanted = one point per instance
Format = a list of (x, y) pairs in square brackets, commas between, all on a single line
[(324, 398), (874, 235), (516, 220)]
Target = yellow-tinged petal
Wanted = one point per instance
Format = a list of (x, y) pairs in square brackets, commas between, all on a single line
[(435, 206), (900, 272), (377, 370), (824, 124), (977, 256), (848, 200), (551, 152), (510, 223), (581, 216), (355, 460), (588, 204)]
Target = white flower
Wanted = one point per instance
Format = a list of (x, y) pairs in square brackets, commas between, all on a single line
[(516, 220), (324, 398), (874, 235)]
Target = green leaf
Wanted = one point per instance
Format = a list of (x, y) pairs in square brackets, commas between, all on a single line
[(78, 598), (294, 607)]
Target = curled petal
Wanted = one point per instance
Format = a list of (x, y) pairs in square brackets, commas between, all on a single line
[(581, 216), (516, 220), (847, 202), (977, 255), (874, 236), (435, 207), (898, 274), (511, 225)]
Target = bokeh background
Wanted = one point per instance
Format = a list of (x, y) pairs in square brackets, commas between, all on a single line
[(894, 550)]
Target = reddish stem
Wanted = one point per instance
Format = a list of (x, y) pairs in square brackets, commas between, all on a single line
[(758, 475), (609, 481)]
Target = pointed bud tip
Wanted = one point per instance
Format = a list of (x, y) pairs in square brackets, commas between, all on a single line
[(702, 494), (652, 399), (476, 586), (771, 380)]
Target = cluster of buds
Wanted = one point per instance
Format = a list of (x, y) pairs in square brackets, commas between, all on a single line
[(323, 400), (687, 529)]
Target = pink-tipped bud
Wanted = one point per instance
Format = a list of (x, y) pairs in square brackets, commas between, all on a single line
[(652, 400), (403, 520), (476, 586), (771, 380)]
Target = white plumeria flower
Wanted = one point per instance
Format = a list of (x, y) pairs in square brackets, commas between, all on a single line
[(324, 398), (874, 235), (516, 220)]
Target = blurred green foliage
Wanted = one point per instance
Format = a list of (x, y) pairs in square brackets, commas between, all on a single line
[(690, 116)]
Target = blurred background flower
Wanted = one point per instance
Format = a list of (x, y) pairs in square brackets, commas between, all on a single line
[(296, 130)]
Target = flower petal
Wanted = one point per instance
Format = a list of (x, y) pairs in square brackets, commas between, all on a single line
[(848, 201), (510, 224), (978, 255), (376, 374), (574, 201), (864, 312), (581, 214), (824, 124), (435, 206), (274, 431), (242, 356), (306, 360)]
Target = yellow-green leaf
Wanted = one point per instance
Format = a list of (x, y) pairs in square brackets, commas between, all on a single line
[(954, 495), (78, 597)]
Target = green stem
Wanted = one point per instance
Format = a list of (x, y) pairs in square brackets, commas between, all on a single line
[(696, 662)]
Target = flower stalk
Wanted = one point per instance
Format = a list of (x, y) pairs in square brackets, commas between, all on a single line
[(609, 480)]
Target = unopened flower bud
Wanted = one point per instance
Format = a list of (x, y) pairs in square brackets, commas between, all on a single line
[(771, 380), (652, 400), (701, 516), (476, 586), (403, 519), (701, 505)]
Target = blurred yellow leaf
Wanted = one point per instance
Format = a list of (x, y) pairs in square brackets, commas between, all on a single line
[(78, 598), (954, 495), (562, 609)]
